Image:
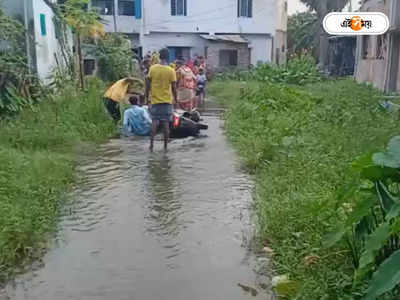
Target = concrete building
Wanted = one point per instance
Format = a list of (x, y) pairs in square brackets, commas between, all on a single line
[(377, 57), (43, 34), (235, 32)]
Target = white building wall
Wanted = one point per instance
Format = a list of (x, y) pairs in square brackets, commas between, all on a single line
[(125, 24), (156, 41), (261, 48), (47, 47), (209, 16), (158, 28)]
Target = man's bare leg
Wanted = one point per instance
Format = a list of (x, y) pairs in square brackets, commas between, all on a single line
[(166, 134), (154, 127)]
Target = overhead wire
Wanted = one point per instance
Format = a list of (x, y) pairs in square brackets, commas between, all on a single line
[(195, 15)]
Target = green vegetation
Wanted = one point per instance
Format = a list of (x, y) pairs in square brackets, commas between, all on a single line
[(37, 158), (302, 31), (301, 69), (114, 56), (85, 24), (371, 224), (17, 88), (300, 142)]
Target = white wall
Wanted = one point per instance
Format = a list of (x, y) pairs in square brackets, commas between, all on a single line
[(125, 24), (156, 41), (261, 48), (209, 16), (261, 45), (46, 46)]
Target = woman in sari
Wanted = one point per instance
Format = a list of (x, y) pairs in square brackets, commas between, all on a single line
[(186, 81)]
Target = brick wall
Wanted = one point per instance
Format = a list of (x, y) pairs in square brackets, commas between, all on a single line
[(213, 54)]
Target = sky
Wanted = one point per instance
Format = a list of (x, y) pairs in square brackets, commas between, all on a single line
[(297, 6)]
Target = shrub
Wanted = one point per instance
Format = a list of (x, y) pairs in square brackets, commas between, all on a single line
[(37, 158), (371, 224), (300, 69), (298, 141)]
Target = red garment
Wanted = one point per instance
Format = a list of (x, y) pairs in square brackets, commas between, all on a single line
[(186, 87), (190, 64), (186, 78)]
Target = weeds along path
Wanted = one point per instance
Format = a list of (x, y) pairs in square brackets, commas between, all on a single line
[(299, 142), (38, 155)]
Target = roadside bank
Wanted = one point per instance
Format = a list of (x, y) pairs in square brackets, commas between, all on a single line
[(38, 156), (299, 142)]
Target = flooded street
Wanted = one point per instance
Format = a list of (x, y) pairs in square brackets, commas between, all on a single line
[(153, 226)]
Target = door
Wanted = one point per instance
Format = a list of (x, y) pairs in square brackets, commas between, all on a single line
[(172, 54)]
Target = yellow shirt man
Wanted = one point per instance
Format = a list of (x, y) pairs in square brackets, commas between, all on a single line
[(161, 77), (117, 91)]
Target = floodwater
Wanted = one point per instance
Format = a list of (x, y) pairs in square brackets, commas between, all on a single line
[(153, 226)]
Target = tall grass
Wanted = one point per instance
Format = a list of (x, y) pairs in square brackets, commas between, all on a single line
[(38, 153), (299, 142)]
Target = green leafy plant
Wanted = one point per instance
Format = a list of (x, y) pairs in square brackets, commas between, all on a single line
[(298, 141), (38, 155), (18, 87), (114, 56), (371, 226), (85, 22), (302, 32), (300, 69)]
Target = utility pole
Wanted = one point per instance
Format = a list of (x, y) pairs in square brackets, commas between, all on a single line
[(323, 37), (115, 5), (27, 37)]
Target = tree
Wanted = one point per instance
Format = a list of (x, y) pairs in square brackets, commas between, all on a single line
[(85, 22), (302, 31), (114, 56), (322, 8), (13, 58)]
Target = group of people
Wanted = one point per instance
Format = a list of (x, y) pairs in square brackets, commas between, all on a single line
[(191, 79), (166, 87)]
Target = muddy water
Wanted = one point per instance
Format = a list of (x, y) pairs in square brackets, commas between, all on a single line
[(160, 226)]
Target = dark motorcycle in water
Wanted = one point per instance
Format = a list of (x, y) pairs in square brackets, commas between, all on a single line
[(185, 124)]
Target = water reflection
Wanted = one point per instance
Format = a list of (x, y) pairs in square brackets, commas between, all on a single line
[(153, 227), (163, 204)]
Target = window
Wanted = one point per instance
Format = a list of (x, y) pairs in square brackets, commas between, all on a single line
[(179, 7), (126, 7), (245, 8), (181, 53), (43, 24), (228, 58), (105, 7), (286, 7), (89, 66)]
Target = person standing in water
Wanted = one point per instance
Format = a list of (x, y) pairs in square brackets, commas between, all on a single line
[(161, 84)]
